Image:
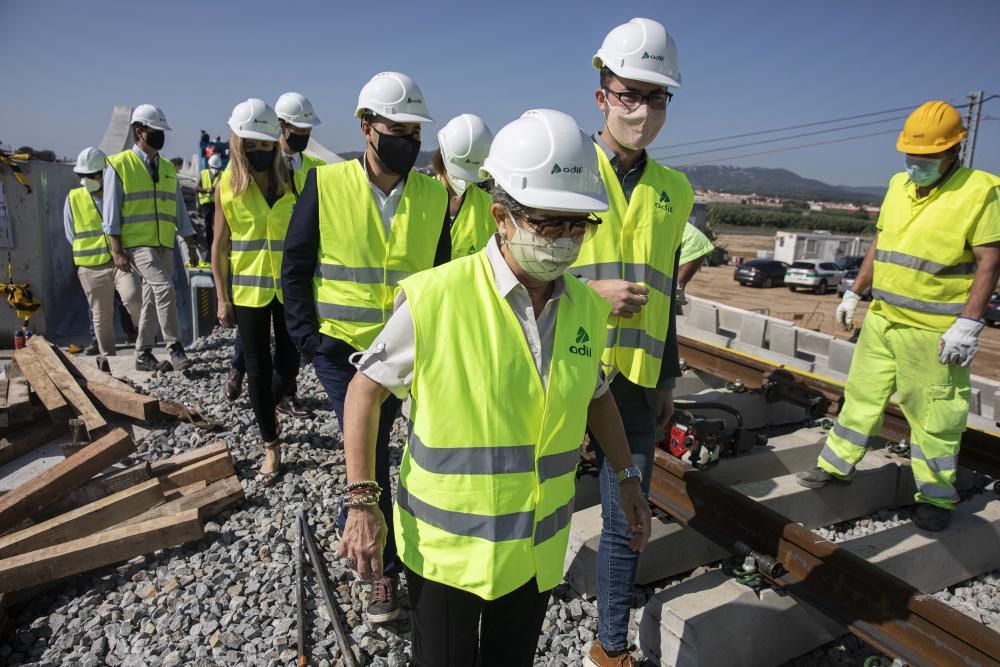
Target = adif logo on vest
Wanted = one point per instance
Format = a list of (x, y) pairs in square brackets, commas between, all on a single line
[(581, 347), (664, 203), (556, 169), (646, 56)]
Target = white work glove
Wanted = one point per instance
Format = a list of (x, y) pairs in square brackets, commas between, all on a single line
[(845, 311), (959, 344)]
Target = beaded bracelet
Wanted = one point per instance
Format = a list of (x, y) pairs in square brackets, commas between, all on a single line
[(362, 501), (363, 484)]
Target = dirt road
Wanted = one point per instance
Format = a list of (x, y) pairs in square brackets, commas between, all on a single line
[(804, 309)]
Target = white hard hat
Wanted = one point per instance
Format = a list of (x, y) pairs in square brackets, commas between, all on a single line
[(464, 143), (90, 161), (215, 162), (544, 160), (296, 109), (150, 116), (394, 96), (254, 119), (643, 50)]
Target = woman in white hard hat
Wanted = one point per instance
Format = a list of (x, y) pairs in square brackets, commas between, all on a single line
[(253, 204), (100, 279), (462, 146), (500, 355)]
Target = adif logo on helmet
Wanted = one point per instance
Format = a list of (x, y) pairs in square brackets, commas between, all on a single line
[(411, 100), (647, 56), (556, 169)]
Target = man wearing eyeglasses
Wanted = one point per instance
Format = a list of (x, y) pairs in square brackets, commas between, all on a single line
[(358, 228), (631, 262)]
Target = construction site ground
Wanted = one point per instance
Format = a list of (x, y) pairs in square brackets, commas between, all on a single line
[(804, 309)]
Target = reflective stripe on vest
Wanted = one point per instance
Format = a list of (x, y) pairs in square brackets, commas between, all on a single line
[(637, 241), (924, 265), (149, 210), (299, 177), (207, 183), (90, 246), (359, 269), (257, 232), (486, 483), (474, 224)]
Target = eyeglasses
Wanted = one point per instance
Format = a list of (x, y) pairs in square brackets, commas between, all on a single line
[(631, 99), (555, 228)]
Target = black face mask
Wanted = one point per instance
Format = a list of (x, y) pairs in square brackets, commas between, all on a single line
[(398, 154), (155, 139), (297, 142), (260, 160)]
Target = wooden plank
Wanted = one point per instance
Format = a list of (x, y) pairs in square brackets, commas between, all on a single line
[(63, 379), (43, 386), (3, 393), (164, 466), (84, 521), (29, 438), (18, 401), (83, 368), (63, 477), (97, 488), (174, 494), (213, 499), (127, 403), (211, 469), (87, 553)]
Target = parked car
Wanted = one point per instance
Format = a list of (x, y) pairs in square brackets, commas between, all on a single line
[(761, 273), (992, 314), (818, 276), (847, 282), (851, 262)]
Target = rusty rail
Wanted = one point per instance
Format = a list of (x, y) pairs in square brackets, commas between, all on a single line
[(980, 449), (881, 609)]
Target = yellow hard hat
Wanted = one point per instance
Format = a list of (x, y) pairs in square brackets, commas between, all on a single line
[(933, 127)]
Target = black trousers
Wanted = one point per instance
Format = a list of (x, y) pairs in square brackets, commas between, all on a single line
[(453, 628), (267, 383), (208, 214)]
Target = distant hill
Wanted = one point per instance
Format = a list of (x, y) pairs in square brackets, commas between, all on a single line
[(776, 183)]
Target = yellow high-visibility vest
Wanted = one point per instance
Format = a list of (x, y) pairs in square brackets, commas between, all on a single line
[(474, 224), (207, 183), (257, 241), (637, 241), (924, 266), (149, 210), (299, 177), (90, 245), (359, 268), (487, 481)]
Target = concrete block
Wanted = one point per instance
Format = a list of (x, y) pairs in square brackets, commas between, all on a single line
[(752, 330), (782, 455), (704, 316), (710, 620), (841, 353), (976, 402), (702, 335), (782, 338), (813, 343), (774, 357)]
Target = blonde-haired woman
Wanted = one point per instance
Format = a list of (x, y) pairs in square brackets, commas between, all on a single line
[(463, 145), (253, 204)]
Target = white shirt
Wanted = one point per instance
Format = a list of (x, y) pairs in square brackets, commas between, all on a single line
[(386, 203), (293, 161), (390, 359)]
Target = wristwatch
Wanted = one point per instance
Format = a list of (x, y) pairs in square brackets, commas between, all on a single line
[(631, 471)]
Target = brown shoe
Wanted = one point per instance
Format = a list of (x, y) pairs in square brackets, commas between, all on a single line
[(291, 406), (233, 386), (382, 606), (598, 658)]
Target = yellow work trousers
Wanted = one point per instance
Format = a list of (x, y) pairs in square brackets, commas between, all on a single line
[(934, 398)]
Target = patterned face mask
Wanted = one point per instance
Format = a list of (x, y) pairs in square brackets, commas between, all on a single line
[(542, 259)]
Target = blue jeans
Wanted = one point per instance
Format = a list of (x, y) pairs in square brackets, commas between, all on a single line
[(616, 563), (335, 374)]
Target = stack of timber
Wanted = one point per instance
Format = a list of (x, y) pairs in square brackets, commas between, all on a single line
[(87, 511)]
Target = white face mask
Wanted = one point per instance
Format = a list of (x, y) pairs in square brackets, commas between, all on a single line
[(91, 184), (634, 129), (539, 258), (457, 184)]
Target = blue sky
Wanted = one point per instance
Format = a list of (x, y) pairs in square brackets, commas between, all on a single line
[(746, 66)]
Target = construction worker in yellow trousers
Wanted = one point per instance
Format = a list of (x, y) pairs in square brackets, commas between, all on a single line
[(500, 354), (462, 146), (932, 269), (630, 262)]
